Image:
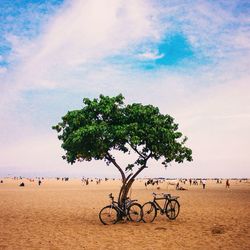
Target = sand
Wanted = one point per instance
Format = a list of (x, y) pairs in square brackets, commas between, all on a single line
[(64, 215)]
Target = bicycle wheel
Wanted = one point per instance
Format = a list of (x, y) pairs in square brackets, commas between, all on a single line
[(108, 215), (135, 212), (172, 209), (149, 212)]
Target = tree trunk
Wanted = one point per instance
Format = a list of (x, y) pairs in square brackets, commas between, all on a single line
[(123, 187), (126, 181), (126, 187)]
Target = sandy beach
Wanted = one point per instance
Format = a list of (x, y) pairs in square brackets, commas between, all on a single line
[(64, 215)]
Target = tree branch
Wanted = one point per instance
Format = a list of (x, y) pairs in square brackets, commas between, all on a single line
[(135, 149), (130, 181), (141, 168), (138, 172), (111, 159)]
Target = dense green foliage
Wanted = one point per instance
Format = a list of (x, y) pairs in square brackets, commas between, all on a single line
[(107, 124)]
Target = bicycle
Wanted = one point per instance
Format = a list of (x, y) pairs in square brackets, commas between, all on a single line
[(130, 210), (171, 207)]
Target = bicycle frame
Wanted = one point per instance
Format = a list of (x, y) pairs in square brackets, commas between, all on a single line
[(128, 210), (166, 197), (157, 205), (123, 209), (120, 210), (171, 207)]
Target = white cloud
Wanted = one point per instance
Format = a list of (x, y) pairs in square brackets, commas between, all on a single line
[(210, 102), (150, 55), (80, 33), (213, 28), (214, 117), (3, 70)]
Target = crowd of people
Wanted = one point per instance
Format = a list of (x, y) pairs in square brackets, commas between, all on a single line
[(180, 184)]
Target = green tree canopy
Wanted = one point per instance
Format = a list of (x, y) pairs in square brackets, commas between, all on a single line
[(107, 124)]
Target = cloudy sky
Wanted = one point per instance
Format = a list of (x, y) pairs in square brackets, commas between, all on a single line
[(189, 58)]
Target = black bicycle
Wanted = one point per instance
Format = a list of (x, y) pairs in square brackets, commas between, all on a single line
[(171, 207), (130, 210)]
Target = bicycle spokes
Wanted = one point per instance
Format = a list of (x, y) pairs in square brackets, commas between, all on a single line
[(149, 212), (134, 212), (172, 210), (171, 207), (108, 215)]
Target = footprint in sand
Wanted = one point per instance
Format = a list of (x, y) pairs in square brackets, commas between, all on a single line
[(160, 228), (218, 229)]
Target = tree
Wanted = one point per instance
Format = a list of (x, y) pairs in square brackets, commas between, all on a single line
[(106, 124)]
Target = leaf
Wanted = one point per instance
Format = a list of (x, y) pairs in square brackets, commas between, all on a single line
[(107, 124)]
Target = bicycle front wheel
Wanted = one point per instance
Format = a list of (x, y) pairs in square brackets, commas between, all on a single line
[(172, 209), (149, 212), (108, 215), (135, 212)]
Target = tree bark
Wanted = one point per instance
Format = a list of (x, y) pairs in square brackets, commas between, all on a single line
[(129, 181), (126, 181), (122, 190), (125, 188)]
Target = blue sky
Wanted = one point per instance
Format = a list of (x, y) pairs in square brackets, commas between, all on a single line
[(189, 58)]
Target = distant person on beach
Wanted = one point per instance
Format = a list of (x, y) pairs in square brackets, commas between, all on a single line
[(227, 184), (178, 187), (21, 184), (39, 182), (203, 183)]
